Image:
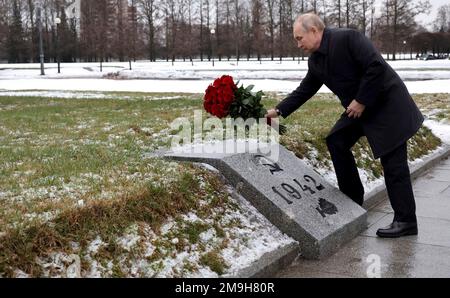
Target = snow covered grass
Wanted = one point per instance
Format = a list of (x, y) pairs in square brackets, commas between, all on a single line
[(77, 185), (286, 69), (419, 76), (97, 95), (435, 106), (76, 180)]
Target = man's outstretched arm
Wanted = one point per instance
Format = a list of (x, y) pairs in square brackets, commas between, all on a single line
[(308, 87)]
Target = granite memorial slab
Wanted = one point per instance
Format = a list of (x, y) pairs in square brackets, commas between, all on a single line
[(286, 191)]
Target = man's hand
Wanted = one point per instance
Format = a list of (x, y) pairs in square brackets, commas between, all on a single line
[(271, 114), (355, 109)]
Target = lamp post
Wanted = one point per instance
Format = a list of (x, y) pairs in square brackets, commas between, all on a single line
[(404, 49), (213, 32), (41, 43), (57, 22)]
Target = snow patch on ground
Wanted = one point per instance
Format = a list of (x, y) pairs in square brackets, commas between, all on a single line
[(255, 237), (440, 129), (285, 76)]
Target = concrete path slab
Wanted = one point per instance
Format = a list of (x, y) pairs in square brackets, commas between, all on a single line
[(374, 216), (439, 175), (432, 231), (426, 207), (428, 187), (444, 165), (397, 259)]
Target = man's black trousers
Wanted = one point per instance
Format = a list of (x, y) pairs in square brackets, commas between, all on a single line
[(395, 166)]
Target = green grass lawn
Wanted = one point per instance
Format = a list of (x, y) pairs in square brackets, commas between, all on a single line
[(436, 106), (75, 170)]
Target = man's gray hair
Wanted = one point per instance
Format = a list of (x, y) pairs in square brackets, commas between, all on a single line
[(309, 20)]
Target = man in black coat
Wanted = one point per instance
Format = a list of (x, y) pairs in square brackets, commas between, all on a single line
[(377, 105)]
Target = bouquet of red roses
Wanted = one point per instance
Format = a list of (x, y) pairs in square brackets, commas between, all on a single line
[(224, 98)]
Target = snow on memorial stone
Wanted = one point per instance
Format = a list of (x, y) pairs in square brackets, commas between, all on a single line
[(290, 194)]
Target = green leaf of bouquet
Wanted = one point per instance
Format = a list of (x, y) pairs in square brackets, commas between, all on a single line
[(250, 88), (259, 94), (262, 113)]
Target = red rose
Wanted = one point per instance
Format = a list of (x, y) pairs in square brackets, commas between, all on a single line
[(215, 110), (207, 105), (219, 96), (228, 80), (217, 82)]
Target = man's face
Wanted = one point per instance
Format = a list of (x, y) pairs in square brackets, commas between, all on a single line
[(308, 41)]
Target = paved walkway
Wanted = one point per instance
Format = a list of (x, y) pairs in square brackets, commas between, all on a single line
[(425, 255)]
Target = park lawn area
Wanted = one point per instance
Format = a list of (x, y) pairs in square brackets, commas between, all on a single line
[(435, 106), (78, 177)]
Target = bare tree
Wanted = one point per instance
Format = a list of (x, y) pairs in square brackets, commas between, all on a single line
[(32, 45), (335, 13), (437, 42), (120, 10), (403, 13), (218, 30), (302, 6), (171, 25), (387, 28), (290, 26), (237, 27), (281, 28), (190, 30), (442, 22), (227, 34), (364, 7), (372, 20), (270, 9), (286, 24), (325, 10), (347, 12), (314, 6), (95, 34), (5, 11), (132, 30), (149, 10), (16, 44), (257, 28), (248, 34), (202, 19), (208, 28)]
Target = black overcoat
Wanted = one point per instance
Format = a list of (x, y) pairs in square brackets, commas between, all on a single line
[(350, 66)]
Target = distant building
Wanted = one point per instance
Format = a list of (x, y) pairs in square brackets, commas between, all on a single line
[(73, 12), (105, 27), (73, 9), (78, 10)]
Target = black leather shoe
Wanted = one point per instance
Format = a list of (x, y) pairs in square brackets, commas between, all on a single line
[(398, 229)]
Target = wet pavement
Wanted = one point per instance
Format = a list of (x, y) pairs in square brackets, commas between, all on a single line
[(425, 255)]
